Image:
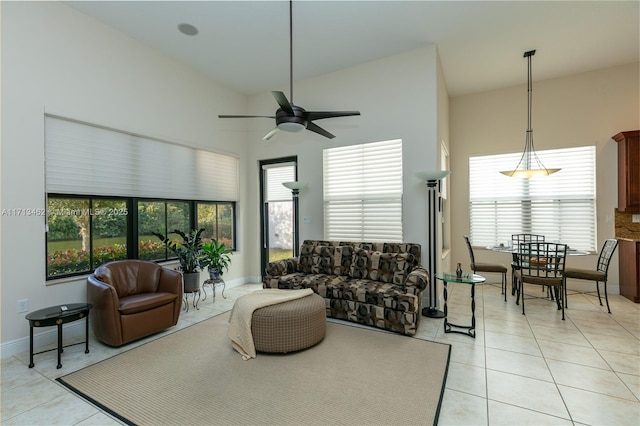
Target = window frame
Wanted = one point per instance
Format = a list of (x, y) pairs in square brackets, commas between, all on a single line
[(132, 231)]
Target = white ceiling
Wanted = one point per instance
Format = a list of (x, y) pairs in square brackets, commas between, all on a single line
[(245, 44)]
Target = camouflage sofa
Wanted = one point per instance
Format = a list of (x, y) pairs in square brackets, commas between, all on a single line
[(377, 284)]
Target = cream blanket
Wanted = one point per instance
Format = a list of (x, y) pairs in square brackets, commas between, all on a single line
[(242, 312)]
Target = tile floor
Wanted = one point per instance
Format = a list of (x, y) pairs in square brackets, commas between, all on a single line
[(524, 370)]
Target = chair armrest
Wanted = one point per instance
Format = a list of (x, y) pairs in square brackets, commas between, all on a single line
[(170, 282), (282, 267), (105, 316), (417, 280)]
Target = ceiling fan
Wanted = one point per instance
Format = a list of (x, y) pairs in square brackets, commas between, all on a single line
[(290, 117)]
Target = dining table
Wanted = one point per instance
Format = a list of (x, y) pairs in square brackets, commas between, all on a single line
[(510, 248), (504, 248)]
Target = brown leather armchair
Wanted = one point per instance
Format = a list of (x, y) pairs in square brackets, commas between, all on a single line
[(132, 299)]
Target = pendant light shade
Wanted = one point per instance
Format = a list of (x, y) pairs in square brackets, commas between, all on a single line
[(529, 165)]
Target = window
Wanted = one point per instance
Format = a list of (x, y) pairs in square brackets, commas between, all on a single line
[(562, 206), (108, 191), (84, 233), (217, 221), (162, 217), (363, 192)]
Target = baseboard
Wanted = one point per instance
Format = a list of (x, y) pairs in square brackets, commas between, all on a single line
[(46, 338), (49, 337)]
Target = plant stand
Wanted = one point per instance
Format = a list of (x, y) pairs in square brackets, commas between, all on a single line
[(185, 306), (213, 283)]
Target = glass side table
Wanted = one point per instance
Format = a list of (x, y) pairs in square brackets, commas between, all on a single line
[(465, 278)]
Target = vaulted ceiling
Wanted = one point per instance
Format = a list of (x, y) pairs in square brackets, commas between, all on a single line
[(245, 44)]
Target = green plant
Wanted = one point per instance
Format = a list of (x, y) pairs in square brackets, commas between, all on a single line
[(188, 251), (216, 256)]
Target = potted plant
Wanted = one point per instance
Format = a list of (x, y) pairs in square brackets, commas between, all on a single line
[(217, 257), (189, 253)]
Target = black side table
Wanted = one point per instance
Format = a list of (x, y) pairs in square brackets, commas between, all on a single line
[(58, 315)]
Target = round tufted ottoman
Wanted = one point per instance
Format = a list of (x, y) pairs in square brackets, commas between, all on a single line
[(289, 326)]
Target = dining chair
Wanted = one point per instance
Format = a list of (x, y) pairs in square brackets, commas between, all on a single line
[(516, 240), (488, 267), (541, 263), (598, 275)]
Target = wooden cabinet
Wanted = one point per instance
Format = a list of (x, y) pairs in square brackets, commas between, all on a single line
[(629, 255), (628, 171)]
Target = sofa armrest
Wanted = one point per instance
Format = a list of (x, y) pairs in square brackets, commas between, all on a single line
[(417, 280), (105, 316), (282, 267), (170, 282)]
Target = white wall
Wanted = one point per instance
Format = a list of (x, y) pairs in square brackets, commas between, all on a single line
[(579, 110), (57, 60), (397, 97)]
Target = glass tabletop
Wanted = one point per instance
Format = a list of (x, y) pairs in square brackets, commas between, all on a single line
[(465, 278), (511, 249)]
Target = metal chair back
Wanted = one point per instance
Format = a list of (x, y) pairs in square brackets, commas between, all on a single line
[(471, 256), (606, 254), (541, 262)]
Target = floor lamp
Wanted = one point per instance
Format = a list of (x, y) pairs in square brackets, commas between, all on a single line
[(432, 178), (295, 188)]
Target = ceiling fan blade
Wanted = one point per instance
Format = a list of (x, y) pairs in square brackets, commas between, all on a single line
[(283, 102), (319, 130), (246, 116), (318, 115), (270, 134)]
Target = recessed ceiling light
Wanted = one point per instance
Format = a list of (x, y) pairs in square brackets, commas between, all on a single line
[(188, 29)]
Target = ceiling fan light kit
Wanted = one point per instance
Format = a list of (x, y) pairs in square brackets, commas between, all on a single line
[(289, 117), (531, 164)]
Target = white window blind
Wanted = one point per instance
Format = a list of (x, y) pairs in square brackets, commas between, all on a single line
[(562, 206), (275, 175), (363, 192), (86, 159)]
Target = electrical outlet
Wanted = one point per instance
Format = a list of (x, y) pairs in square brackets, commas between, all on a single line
[(23, 306), (635, 218)]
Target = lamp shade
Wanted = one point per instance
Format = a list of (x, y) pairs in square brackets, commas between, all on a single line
[(529, 173), (295, 185), (432, 175)]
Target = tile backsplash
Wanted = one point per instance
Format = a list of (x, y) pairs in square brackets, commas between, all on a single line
[(626, 227)]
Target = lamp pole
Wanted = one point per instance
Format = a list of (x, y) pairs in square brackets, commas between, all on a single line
[(296, 227), (433, 187), (295, 188)]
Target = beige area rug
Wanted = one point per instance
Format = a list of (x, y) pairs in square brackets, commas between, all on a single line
[(355, 376)]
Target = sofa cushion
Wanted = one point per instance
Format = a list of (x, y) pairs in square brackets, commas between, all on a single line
[(321, 260), (384, 267), (341, 260), (144, 302), (308, 250)]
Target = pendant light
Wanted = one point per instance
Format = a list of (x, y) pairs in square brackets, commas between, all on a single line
[(530, 165)]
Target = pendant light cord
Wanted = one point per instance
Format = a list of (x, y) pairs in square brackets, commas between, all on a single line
[(529, 138)]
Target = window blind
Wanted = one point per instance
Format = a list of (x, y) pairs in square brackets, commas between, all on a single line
[(562, 206), (86, 159), (363, 192), (275, 175)]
